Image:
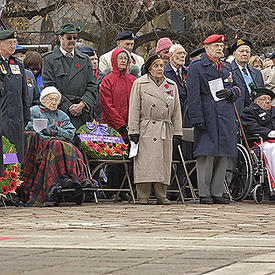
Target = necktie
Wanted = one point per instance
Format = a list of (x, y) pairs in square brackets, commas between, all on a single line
[(69, 55), (179, 76), (244, 70)]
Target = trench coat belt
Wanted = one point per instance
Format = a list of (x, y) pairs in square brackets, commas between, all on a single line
[(164, 124)]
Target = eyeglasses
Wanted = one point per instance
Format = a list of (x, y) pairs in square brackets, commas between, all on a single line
[(123, 58), (33, 69), (267, 100), (72, 37)]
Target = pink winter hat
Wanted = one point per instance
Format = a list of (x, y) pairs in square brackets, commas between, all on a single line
[(163, 43)]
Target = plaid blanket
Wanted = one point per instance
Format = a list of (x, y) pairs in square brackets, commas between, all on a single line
[(46, 163)]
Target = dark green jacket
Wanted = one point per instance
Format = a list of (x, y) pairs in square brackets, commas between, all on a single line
[(75, 85)]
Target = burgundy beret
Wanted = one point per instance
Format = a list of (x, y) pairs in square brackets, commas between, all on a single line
[(214, 38)]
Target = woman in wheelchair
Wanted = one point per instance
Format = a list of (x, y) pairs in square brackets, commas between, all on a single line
[(51, 161), (259, 119)]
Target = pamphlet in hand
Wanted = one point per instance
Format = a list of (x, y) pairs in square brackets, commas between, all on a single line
[(39, 124), (133, 149), (216, 85)]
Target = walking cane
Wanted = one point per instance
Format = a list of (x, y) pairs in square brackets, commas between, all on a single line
[(242, 131)]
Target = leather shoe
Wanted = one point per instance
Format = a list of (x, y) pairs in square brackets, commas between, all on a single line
[(143, 201), (163, 201), (221, 200), (206, 200)]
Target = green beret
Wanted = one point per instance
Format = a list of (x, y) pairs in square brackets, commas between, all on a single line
[(7, 34), (67, 28)]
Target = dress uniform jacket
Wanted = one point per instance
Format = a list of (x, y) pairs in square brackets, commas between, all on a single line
[(220, 138), (105, 64), (14, 103), (169, 72), (244, 99), (75, 85), (255, 120), (154, 114)]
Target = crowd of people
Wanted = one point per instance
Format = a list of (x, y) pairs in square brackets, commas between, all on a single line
[(147, 102)]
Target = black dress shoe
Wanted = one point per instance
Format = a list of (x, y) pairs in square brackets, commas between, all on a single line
[(221, 200), (206, 200)]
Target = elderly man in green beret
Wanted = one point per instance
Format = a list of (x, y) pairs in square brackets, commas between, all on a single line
[(14, 99), (71, 72)]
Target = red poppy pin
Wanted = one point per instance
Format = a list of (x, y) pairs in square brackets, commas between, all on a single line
[(166, 85), (11, 62), (134, 62), (77, 65), (41, 111)]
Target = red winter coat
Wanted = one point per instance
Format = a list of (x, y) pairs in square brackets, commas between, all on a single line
[(114, 95)]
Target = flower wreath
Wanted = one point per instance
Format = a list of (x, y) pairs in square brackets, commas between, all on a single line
[(12, 169), (101, 142)]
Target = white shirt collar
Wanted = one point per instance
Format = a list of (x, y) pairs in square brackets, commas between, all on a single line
[(240, 67), (175, 68), (64, 52)]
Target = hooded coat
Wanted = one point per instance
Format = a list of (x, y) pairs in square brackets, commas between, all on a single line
[(114, 95), (154, 114)]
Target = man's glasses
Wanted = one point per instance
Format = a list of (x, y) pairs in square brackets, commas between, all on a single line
[(72, 37)]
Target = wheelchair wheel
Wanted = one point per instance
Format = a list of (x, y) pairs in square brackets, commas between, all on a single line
[(240, 177), (258, 193)]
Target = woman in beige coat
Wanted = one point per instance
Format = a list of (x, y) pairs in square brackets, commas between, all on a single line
[(154, 119)]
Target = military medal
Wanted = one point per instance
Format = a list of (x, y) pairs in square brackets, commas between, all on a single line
[(15, 69), (3, 69)]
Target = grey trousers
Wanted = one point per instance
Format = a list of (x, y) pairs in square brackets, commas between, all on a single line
[(211, 174), (144, 190)]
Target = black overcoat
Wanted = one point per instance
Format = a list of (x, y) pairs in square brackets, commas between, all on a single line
[(14, 103), (220, 138)]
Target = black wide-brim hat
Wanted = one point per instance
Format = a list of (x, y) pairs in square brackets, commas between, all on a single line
[(196, 52), (150, 61), (261, 91)]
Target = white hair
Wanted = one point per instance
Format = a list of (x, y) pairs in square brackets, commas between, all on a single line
[(174, 46)]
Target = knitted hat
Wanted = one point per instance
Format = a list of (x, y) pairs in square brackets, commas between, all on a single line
[(49, 90), (163, 43)]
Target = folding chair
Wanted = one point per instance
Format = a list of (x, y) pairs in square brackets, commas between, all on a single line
[(188, 135), (99, 163)]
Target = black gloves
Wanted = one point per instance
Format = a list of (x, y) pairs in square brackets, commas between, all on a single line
[(225, 94), (201, 126), (123, 129), (49, 132), (177, 140), (134, 138)]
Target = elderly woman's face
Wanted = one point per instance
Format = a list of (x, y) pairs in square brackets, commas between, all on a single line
[(264, 101), (51, 102), (122, 61), (157, 69)]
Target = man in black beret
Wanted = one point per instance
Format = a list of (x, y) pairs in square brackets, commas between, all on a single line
[(259, 116), (269, 75), (125, 40), (14, 100), (71, 72), (243, 73)]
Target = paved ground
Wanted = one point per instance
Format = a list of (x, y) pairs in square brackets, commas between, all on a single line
[(125, 239)]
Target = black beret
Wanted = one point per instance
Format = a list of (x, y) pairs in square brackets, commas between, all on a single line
[(88, 50), (272, 55), (239, 43), (126, 35), (67, 28), (261, 91), (149, 62), (7, 34), (196, 52)]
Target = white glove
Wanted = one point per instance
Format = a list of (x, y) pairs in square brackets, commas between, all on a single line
[(271, 134)]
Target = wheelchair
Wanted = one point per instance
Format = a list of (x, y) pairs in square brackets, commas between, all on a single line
[(248, 176)]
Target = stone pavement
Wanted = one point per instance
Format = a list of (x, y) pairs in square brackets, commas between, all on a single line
[(125, 238)]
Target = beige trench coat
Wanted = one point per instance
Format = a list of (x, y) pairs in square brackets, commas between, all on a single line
[(154, 114)]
